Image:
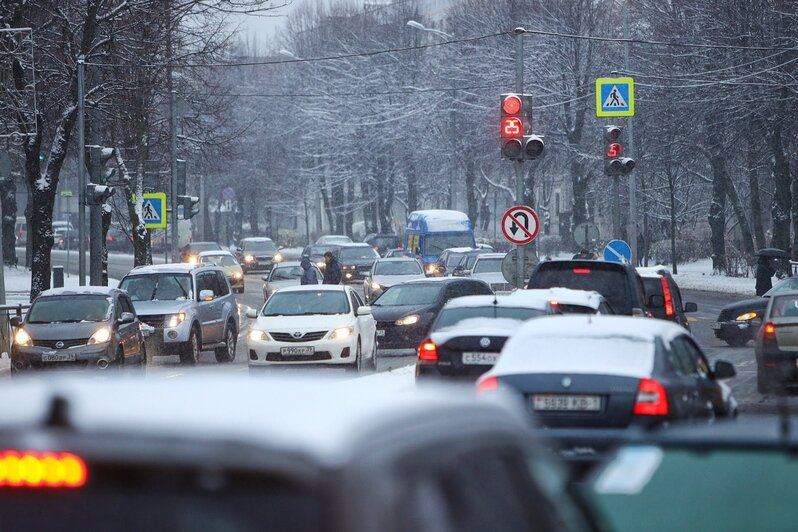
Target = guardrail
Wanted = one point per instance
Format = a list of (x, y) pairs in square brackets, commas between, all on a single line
[(6, 332)]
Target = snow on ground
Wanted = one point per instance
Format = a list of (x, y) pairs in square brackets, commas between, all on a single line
[(17, 281), (698, 275), (397, 379)]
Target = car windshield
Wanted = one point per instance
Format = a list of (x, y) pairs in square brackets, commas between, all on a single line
[(196, 247), (259, 245), (321, 249), (158, 287), (358, 253), (782, 286), (219, 260), (470, 260), (611, 283), (286, 273), (306, 303), (453, 260), (386, 241), (410, 294), (70, 309), (404, 267), (453, 316), (488, 266), (435, 243)]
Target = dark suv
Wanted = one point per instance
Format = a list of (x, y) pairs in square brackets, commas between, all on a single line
[(620, 284), (383, 243), (664, 297)]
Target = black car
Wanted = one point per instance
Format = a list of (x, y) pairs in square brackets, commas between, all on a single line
[(383, 243), (257, 253), (467, 261), (448, 261), (739, 322), (190, 252), (356, 261), (91, 327), (620, 284), (405, 311), (669, 306)]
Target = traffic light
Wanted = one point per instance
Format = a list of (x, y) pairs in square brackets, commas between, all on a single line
[(533, 147), (98, 194), (98, 158), (190, 205), (517, 141), (614, 163)]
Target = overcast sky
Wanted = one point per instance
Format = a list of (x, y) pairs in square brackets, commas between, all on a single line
[(264, 27)]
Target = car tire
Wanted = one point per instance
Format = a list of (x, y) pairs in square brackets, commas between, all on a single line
[(359, 366), (736, 340), (190, 354), (763, 384), (374, 355), (120, 357), (227, 354)]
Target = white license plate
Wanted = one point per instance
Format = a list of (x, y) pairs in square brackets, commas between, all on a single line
[(380, 333), (715, 326), (480, 359), (297, 350), (58, 357), (581, 403)]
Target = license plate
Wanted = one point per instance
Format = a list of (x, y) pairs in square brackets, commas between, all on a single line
[(715, 326), (579, 403), (380, 333), (480, 359), (58, 357), (297, 350)]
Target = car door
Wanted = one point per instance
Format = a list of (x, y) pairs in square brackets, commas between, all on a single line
[(710, 400), (227, 303), (366, 324), (208, 310), (128, 332), (681, 385)]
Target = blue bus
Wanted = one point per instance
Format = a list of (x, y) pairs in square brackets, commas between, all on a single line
[(429, 232)]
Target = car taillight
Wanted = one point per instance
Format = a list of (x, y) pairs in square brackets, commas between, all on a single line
[(489, 384), (651, 399), (32, 469), (769, 329), (428, 352), (582, 271), (666, 292)]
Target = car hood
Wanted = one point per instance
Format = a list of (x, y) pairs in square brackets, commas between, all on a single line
[(148, 308), (358, 263), (303, 323), (741, 307), (490, 277), (63, 331), (390, 280), (396, 312)]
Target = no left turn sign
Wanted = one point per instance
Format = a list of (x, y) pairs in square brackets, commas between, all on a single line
[(520, 225)]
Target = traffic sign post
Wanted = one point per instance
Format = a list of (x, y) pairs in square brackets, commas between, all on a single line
[(153, 210), (520, 225), (618, 251), (510, 265), (615, 97)]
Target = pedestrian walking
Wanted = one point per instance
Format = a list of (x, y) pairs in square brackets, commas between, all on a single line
[(332, 270), (309, 273), (764, 275)]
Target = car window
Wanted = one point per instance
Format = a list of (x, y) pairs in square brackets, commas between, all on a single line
[(453, 316), (683, 358), (206, 281), (784, 307), (126, 304), (696, 356), (783, 285), (484, 265), (71, 309), (652, 287), (410, 294), (610, 281), (221, 284), (357, 253), (259, 245), (358, 299), (306, 303), (286, 273), (220, 260), (405, 267), (355, 303)]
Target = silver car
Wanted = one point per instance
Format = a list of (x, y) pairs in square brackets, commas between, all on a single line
[(388, 272), (284, 275)]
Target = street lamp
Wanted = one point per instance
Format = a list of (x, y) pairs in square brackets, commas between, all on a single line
[(422, 27)]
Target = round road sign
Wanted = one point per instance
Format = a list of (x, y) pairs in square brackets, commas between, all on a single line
[(586, 234), (510, 268), (520, 225)]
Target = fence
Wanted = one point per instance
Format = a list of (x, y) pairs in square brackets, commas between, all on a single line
[(6, 331)]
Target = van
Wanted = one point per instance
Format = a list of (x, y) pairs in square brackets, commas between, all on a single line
[(430, 232)]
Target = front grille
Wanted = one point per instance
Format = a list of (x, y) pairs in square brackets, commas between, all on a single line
[(289, 337), (67, 343), (277, 357), (154, 320), (397, 337)]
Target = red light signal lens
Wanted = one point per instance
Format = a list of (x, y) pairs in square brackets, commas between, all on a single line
[(615, 150), (613, 133), (512, 128), (511, 105)]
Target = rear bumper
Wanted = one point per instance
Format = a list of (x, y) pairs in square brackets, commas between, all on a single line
[(777, 366), (458, 374)]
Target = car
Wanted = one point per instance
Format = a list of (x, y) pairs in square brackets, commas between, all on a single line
[(316, 254), (225, 453), (283, 275), (311, 325), (232, 269), (191, 307), (117, 239), (335, 240), (66, 238), (733, 476), (619, 283), (382, 243), (488, 268), (91, 327), (257, 253), (391, 253), (430, 232), (21, 231), (739, 322), (356, 261), (405, 311), (469, 332), (466, 264), (659, 281), (447, 261), (776, 345), (190, 252), (589, 378), (569, 301), (388, 272)]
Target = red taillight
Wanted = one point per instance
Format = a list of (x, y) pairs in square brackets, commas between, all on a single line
[(581, 271), (666, 292), (31, 469), (428, 352), (651, 399), (490, 384), (769, 329)]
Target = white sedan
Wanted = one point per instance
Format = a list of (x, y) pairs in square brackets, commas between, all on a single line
[(325, 324)]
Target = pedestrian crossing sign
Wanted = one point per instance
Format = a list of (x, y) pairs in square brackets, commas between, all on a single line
[(153, 210), (615, 97)]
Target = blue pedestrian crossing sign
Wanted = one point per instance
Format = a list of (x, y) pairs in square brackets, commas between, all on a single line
[(615, 97), (153, 210), (618, 251)]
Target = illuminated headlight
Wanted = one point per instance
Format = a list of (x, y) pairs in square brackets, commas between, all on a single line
[(320, 264), (193, 259), (341, 333), (174, 320), (259, 336), (376, 286), (249, 258), (101, 336), (237, 275), (747, 316), (348, 275), (430, 268), (277, 258), (23, 339), (412, 319)]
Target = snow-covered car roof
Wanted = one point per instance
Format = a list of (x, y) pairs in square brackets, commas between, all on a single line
[(82, 290), (501, 301), (397, 259), (484, 256), (566, 296), (257, 239), (459, 250), (653, 271), (477, 327), (439, 220), (355, 245), (175, 267), (212, 253), (314, 288)]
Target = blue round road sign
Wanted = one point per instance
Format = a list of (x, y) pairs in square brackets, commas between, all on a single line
[(618, 251)]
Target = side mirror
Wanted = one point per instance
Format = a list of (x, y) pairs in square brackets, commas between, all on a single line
[(15, 321), (264, 278), (690, 307), (365, 310), (656, 301), (252, 313), (126, 317), (724, 370), (206, 295)]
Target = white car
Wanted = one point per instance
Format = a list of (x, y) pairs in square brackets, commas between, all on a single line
[(283, 275), (324, 324), (388, 272), (568, 300), (488, 268)]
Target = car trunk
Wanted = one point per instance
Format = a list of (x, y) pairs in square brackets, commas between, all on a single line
[(786, 333), (469, 356)]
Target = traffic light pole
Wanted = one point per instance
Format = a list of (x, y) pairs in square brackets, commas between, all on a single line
[(81, 174), (173, 160), (632, 185), (519, 165)]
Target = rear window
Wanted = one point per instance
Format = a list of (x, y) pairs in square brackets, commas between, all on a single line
[(653, 286), (386, 241), (453, 316), (610, 282)]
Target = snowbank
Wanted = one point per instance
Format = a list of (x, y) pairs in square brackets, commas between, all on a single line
[(698, 275), (398, 379)]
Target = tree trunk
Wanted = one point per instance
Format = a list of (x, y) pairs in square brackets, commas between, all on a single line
[(782, 196), (755, 203), (579, 183), (672, 199), (349, 213), (412, 186), (471, 191), (8, 196), (739, 213)]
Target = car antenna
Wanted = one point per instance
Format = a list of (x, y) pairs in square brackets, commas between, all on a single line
[(58, 413)]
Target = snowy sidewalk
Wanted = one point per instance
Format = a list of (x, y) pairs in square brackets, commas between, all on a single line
[(17, 281), (698, 275)]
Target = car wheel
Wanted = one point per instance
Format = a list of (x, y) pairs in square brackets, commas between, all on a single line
[(736, 340), (374, 355), (359, 358), (191, 352), (228, 352)]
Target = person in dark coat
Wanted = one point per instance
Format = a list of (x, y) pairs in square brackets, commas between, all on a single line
[(582, 255), (764, 275), (309, 274), (332, 270)]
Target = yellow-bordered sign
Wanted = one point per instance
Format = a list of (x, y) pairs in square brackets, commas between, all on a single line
[(153, 210), (615, 97)]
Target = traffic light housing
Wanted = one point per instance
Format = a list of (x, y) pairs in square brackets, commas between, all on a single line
[(190, 205), (534, 148), (99, 156), (98, 194), (517, 141), (614, 163)]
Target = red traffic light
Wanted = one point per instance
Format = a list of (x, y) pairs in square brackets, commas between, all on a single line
[(614, 150), (612, 133), (511, 105), (512, 127)]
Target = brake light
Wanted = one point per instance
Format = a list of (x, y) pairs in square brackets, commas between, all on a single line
[(428, 352), (490, 384), (666, 292), (651, 399), (770, 329), (581, 271), (31, 469)]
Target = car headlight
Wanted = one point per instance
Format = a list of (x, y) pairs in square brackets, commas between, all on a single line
[(320, 264), (376, 286), (23, 339), (341, 333), (412, 319), (747, 316), (174, 320), (259, 336), (348, 275), (101, 336), (430, 268), (192, 259), (248, 258), (237, 275), (277, 258)]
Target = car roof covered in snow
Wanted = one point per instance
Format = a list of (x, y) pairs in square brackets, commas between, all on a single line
[(81, 290), (566, 296), (501, 301), (214, 252), (175, 267), (257, 239), (653, 271), (438, 221)]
